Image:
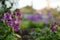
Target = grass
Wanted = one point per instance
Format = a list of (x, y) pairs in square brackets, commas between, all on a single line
[(24, 24)]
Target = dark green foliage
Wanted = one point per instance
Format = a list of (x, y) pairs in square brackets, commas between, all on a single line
[(44, 34), (35, 25), (5, 31)]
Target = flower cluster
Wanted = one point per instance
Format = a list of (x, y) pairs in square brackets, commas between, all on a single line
[(52, 27), (12, 20), (53, 24)]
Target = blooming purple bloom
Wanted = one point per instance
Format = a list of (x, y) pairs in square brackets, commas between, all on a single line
[(10, 20), (17, 21), (7, 16)]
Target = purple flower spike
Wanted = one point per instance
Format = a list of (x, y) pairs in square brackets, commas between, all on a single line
[(52, 26), (10, 19)]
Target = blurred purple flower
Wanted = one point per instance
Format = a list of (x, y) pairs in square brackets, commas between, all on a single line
[(34, 18), (10, 23), (18, 17), (3, 18), (17, 12), (40, 16), (17, 21), (52, 26), (7, 16), (49, 15), (16, 28), (53, 29), (16, 25), (29, 17)]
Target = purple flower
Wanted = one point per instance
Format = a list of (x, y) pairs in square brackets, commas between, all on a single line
[(49, 13), (34, 18), (45, 18), (53, 24), (50, 16), (17, 21), (16, 25), (16, 29), (29, 17), (53, 29), (17, 12), (3, 18), (18, 17), (10, 23), (10, 20), (8, 16)]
